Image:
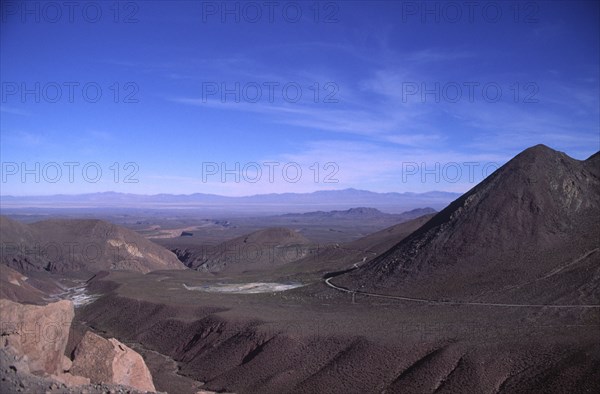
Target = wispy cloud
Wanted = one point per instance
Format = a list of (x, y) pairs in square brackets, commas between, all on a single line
[(23, 138), (14, 111)]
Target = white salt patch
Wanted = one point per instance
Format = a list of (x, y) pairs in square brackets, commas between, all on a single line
[(78, 295), (245, 288)]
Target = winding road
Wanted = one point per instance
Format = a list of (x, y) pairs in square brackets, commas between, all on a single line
[(454, 303)]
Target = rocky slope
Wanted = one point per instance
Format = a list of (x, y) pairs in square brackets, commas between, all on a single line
[(383, 240)]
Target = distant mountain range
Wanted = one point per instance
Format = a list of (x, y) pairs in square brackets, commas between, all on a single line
[(357, 214), (266, 203)]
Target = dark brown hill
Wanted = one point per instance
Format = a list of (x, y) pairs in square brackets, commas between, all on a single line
[(84, 246), (528, 233), (18, 244), (16, 287), (259, 250)]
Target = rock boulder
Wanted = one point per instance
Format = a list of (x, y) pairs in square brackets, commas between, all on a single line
[(110, 361)]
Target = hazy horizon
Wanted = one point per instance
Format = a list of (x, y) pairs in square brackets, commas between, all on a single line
[(223, 195)]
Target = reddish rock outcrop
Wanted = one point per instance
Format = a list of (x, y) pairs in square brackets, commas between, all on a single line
[(110, 361), (38, 333), (35, 338)]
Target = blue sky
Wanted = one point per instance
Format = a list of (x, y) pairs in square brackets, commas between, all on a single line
[(412, 96)]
